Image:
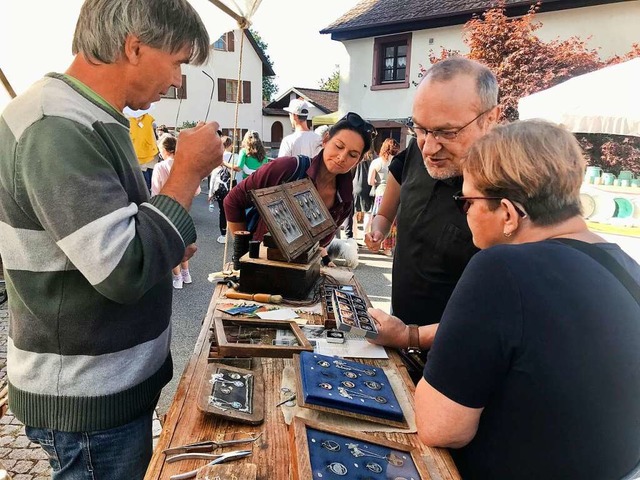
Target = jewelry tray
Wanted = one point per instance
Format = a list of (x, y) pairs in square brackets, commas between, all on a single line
[(258, 337), (350, 312), (352, 389), (319, 451), (237, 394)]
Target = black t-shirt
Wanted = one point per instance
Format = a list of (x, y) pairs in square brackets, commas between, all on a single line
[(397, 166), (548, 342), (433, 243)]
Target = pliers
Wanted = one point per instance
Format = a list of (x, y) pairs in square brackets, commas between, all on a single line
[(207, 446), (223, 457)]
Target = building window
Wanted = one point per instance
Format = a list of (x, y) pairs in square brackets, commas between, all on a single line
[(180, 93), (232, 91), (225, 43), (221, 43), (391, 62), (395, 62), (228, 91)]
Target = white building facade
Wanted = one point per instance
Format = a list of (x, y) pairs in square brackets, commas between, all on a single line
[(610, 27), (213, 88)]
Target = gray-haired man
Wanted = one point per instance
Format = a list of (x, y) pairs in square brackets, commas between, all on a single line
[(86, 252)]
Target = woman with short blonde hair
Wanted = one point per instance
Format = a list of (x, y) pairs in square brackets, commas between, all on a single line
[(534, 371), (521, 162)]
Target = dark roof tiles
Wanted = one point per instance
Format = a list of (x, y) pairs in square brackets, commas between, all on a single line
[(321, 98), (370, 13)]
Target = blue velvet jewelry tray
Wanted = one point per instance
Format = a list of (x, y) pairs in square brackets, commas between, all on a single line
[(352, 388), (334, 456), (327, 452)]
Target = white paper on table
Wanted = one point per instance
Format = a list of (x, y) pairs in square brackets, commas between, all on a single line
[(353, 347), (280, 314)]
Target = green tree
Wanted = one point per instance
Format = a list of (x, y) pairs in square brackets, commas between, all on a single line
[(524, 64), (332, 82), (269, 87)]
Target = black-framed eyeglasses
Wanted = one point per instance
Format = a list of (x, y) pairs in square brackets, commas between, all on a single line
[(356, 121), (464, 204), (448, 135)]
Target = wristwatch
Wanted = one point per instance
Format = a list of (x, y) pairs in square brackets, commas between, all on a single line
[(414, 339)]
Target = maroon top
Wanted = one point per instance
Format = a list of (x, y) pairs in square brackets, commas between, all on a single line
[(277, 172)]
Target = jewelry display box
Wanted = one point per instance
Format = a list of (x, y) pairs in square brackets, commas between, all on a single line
[(326, 301), (348, 388), (350, 312), (244, 337), (295, 216), (326, 452), (236, 394)]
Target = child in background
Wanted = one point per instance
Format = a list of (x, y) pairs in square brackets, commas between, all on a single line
[(167, 146), (252, 154)]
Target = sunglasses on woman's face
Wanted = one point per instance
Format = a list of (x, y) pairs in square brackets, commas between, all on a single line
[(464, 204), (356, 121)]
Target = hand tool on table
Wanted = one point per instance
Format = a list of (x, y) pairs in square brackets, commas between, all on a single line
[(222, 458), (229, 278), (256, 297), (208, 445), (288, 399)]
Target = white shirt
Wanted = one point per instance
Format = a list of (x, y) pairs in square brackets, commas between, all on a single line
[(161, 175), (301, 143)]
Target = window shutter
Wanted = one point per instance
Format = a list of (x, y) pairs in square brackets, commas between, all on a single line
[(377, 62), (246, 92), (230, 42), (222, 89), (182, 91)]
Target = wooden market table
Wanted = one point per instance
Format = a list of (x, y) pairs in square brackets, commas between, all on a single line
[(185, 423)]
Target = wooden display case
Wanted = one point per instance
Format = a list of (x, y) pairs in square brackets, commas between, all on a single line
[(258, 338), (295, 216), (236, 394)]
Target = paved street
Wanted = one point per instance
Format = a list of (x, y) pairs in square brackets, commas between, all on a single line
[(26, 461)]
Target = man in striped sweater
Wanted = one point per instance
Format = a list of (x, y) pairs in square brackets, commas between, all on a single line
[(87, 253)]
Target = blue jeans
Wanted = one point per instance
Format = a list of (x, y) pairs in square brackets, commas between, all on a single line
[(147, 174), (119, 453)]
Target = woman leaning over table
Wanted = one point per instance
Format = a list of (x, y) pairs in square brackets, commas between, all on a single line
[(535, 368), (329, 171)]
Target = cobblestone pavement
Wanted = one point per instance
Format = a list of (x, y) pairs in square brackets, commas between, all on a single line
[(21, 458)]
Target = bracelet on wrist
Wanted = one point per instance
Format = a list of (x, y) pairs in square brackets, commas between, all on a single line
[(326, 260), (414, 339)]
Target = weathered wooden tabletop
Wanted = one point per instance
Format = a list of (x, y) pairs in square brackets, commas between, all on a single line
[(185, 423)]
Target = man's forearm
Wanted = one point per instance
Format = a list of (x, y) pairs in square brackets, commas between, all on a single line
[(381, 224)]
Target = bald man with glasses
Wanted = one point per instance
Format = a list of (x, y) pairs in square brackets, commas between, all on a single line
[(455, 104)]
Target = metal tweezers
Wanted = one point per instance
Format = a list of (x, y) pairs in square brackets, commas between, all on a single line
[(207, 446), (223, 457)]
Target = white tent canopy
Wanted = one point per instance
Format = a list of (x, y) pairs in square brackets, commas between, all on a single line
[(36, 35), (604, 101)]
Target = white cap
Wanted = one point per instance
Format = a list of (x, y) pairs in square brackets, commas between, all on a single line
[(322, 129), (298, 106)]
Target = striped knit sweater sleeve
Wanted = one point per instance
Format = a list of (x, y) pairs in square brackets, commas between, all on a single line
[(87, 259)]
